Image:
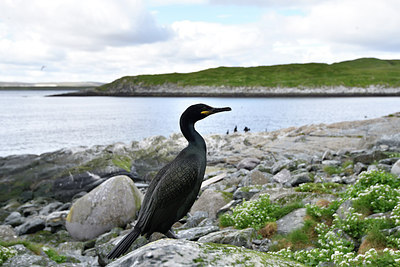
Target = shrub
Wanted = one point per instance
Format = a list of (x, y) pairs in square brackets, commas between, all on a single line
[(377, 198), (6, 253), (255, 213), (319, 188)]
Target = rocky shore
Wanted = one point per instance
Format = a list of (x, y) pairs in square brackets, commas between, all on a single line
[(173, 90), (65, 208)]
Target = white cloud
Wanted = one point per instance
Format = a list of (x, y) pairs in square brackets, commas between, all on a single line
[(104, 40)]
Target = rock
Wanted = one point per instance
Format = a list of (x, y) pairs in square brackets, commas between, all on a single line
[(331, 162), (282, 177), (210, 201), (281, 164), (248, 163), (369, 156), (240, 238), (389, 140), (7, 233), (27, 260), (327, 155), (227, 207), (170, 252), (389, 161), (300, 178), (291, 221), (113, 203), (344, 209), (259, 178), (245, 193), (31, 226), (196, 232), (46, 210), (359, 167), (14, 219), (56, 220), (195, 219), (396, 168)]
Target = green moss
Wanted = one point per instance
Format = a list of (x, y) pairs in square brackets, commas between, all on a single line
[(123, 162), (34, 247), (53, 255)]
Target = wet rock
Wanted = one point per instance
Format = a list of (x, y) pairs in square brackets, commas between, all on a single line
[(210, 201), (248, 163), (291, 221), (14, 219), (396, 168), (31, 226), (7, 233), (240, 238), (170, 252), (196, 232), (282, 177), (113, 203)]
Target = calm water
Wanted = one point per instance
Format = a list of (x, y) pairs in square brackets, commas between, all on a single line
[(33, 123)]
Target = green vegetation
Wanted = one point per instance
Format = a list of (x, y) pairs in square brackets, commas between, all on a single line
[(319, 188), (356, 73), (6, 253), (326, 236)]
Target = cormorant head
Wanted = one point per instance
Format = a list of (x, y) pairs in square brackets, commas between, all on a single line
[(200, 111)]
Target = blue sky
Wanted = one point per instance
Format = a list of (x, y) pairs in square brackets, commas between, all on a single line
[(102, 40)]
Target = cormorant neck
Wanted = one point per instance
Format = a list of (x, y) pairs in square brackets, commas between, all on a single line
[(190, 133)]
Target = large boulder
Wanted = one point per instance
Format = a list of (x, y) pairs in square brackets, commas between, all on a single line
[(170, 252), (291, 221), (113, 203)]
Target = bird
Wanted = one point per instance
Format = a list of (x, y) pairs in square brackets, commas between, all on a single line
[(175, 187)]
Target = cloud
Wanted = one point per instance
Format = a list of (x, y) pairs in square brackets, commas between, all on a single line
[(266, 3)]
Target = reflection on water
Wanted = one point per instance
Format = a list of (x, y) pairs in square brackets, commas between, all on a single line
[(32, 123)]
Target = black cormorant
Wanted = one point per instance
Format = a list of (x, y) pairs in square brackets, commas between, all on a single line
[(174, 189)]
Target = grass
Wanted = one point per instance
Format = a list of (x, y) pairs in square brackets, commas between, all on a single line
[(361, 72)]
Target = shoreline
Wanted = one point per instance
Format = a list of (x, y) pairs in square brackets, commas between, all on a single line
[(171, 90)]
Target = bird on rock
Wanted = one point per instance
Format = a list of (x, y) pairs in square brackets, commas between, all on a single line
[(174, 189)]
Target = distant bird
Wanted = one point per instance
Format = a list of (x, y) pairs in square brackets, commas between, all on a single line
[(235, 130), (227, 132), (174, 189), (246, 129), (42, 68)]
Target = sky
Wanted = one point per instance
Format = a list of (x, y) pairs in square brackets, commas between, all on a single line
[(103, 40)]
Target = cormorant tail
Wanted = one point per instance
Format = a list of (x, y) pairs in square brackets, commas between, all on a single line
[(124, 244)]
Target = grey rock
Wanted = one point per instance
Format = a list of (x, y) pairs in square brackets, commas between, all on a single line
[(389, 140), (46, 210), (259, 178), (283, 164), (372, 167), (331, 162), (248, 163), (170, 252), (396, 168), (369, 156), (56, 220), (31, 226), (28, 261), (196, 232), (14, 219), (327, 155), (245, 193), (359, 167), (240, 238), (209, 201), (389, 161), (282, 177), (195, 219), (112, 204), (7, 233), (227, 207), (384, 167), (344, 209), (300, 178), (291, 221)]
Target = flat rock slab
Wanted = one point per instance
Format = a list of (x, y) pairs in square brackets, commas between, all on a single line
[(170, 252)]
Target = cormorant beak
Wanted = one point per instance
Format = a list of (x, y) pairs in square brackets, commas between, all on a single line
[(215, 110)]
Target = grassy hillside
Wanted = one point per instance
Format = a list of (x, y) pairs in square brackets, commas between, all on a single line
[(356, 73)]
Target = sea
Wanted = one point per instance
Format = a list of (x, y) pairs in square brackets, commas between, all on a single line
[(32, 123)]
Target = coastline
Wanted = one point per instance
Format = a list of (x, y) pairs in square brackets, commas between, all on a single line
[(171, 90)]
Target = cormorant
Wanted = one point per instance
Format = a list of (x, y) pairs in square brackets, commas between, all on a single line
[(174, 189), (246, 129), (235, 129)]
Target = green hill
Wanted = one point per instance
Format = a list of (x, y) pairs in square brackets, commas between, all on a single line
[(356, 73)]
